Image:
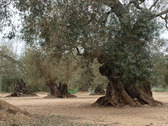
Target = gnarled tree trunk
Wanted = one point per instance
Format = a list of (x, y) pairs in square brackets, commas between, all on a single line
[(58, 91), (118, 94), (20, 90)]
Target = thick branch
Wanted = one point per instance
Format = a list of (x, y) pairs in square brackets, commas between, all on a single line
[(161, 13)]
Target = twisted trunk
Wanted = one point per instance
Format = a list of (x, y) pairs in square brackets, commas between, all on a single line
[(118, 94), (58, 91), (20, 90)]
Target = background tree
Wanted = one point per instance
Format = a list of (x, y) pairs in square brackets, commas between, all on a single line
[(159, 63), (166, 74), (87, 77), (44, 70), (9, 72)]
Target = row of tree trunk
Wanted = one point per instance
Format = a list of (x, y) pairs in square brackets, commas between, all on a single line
[(56, 90), (117, 94)]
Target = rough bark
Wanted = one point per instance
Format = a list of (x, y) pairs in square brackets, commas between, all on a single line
[(118, 94), (58, 90), (20, 90)]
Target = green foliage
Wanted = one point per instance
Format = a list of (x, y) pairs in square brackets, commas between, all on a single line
[(159, 71), (88, 77), (40, 66), (159, 63), (122, 41), (10, 71), (160, 89), (7, 83)]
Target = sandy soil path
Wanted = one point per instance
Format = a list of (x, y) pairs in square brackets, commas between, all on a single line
[(80, 110)]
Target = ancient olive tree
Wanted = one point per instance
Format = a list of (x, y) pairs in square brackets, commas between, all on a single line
[(117, 33), (42, 69), (8, 71), (8, 75), (128, 66), (12, 73)]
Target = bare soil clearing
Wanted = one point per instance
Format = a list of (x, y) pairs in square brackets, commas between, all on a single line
[(79, 110)]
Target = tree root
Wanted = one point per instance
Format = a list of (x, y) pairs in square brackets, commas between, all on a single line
[(117, 96)]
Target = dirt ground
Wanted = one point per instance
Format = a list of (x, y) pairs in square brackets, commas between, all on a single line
[(79, 110)]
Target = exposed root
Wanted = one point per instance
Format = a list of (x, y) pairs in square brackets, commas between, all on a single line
[(20, 90), (147, 99), (17, 94), (117, 96), (61, 96)]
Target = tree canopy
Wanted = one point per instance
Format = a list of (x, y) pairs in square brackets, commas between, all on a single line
[(119, 31)]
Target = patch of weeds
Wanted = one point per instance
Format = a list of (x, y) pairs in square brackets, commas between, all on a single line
[(86, 124), (58, 116), (52, 120)]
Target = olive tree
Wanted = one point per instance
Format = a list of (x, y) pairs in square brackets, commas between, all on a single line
[(8, 68), (42, 69), (116, 33)]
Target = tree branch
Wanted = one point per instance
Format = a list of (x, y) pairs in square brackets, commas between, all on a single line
[(115, 5), (8, 57), (161, 13), (135, 3), (166, 20), (154, 4), (78, 52), (4, 5)]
